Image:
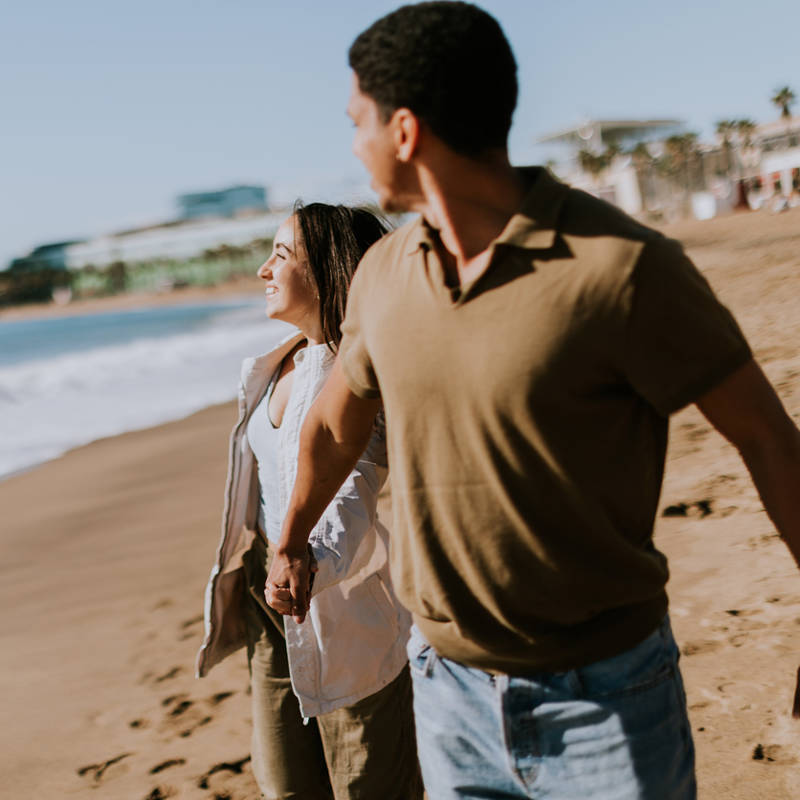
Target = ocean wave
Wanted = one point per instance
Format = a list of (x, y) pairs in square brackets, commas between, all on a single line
[(53, 404)]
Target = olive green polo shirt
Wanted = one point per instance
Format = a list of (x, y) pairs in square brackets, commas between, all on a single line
[(527, 418)]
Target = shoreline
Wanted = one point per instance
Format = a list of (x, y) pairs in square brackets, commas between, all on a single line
[(22, 471), (149, 367), (244, 287)]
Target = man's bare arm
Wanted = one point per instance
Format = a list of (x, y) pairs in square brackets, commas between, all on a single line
[(334, 434), (746, 411)]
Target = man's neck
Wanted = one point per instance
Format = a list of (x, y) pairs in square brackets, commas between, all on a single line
[(469, 202)]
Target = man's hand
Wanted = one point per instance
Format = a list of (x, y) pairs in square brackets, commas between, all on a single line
[(288, 587)]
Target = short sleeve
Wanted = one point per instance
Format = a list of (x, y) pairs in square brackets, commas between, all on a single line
[(680, 341), (353, 351)]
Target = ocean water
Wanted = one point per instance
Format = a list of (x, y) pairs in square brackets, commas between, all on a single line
[(68, 381)]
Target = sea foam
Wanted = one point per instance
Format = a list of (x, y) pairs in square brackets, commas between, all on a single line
[(50, 405)]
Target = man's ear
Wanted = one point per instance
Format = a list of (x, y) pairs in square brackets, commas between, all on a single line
[(406, 132)]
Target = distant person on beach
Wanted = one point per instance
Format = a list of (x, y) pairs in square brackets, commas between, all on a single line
[(331, 699), (528, 343)]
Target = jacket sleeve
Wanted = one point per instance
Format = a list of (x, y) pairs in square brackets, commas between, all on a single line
[(337, 538)]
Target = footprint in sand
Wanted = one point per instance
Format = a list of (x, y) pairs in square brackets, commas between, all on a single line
[(183, 712), (696, 508), (217, 698), (189, 731), (186, 714), (189, 628), (169, 675), (773, 754), (698, 647), (743, 625), (179, 702), (160, 793), (696, 433), (757, 542), (152, 677), (172, 762), (97, 771), (225, 766)]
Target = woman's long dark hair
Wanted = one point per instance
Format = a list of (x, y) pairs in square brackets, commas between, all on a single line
[(334, 239)]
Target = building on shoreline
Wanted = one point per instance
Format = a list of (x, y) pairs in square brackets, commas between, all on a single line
[(779, 144), (180, 240), (235, 217), (656, 169), (612, 173), (228, 202), (46, 256)]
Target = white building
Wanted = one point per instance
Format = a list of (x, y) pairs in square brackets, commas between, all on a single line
[(618, 183), (172, 240), (779, 146)]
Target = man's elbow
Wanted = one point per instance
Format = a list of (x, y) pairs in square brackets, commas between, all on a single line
[(324, 438), (773, 441)]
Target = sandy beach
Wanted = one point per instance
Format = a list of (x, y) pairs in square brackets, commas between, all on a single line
[(104, 555)]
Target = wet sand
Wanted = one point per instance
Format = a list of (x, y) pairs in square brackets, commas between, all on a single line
[(104, 554)]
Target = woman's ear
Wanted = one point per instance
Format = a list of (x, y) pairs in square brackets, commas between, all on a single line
[(405, 131)]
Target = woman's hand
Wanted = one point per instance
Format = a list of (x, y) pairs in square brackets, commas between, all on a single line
[(288, 586)]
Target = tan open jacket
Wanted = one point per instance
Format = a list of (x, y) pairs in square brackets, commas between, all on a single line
[(353, 640)]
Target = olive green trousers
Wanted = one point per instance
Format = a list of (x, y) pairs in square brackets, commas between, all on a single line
[(366, 751)]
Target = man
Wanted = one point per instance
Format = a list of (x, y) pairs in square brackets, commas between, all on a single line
[(528, 343)]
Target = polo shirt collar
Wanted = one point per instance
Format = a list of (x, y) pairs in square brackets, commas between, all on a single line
[(533, 227)]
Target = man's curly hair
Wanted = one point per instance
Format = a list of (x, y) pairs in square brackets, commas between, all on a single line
[(449, 63)]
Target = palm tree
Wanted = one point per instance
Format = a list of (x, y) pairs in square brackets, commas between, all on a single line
[(682, 150), (591, 162), (726, 127), (681, 160), (736, 135), (745, 128), (611, 152), (643, 163), (784, 99), (641, 156)]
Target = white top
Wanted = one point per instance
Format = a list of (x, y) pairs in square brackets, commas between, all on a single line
[(264, 440)]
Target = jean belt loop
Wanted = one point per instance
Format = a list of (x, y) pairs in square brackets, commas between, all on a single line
[(663, 630)]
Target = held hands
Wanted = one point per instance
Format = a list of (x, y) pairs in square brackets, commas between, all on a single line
[(288, 587)]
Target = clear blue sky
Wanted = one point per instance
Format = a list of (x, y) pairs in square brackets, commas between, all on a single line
[(110, 109)]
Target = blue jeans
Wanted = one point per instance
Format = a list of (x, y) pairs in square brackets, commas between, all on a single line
[(616, 729)]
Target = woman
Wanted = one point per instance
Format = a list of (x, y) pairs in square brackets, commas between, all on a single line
[(331, 697)]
